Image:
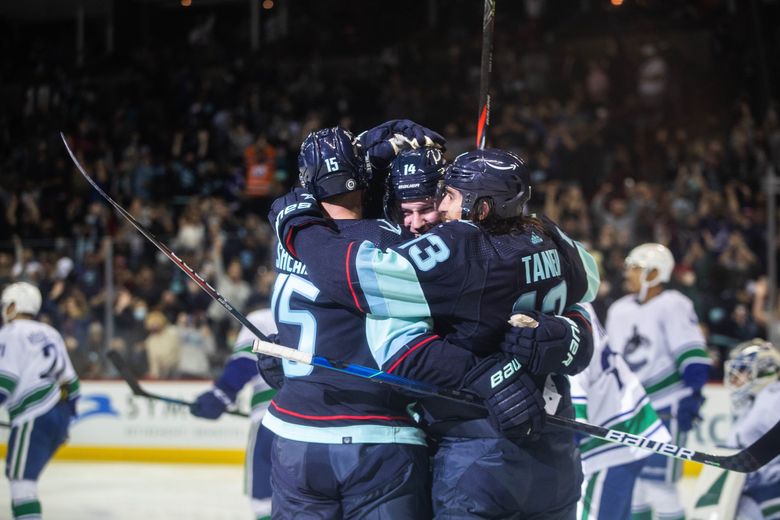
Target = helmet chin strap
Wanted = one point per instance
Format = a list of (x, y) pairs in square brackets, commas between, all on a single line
[(645, 284)]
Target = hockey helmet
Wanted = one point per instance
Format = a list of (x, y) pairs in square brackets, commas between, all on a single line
[(25, 297), (752, 365), (414, 175), (649, 257), (330, 163), (499, 176)]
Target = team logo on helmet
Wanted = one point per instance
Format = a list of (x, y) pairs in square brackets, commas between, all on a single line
[(350, 184)]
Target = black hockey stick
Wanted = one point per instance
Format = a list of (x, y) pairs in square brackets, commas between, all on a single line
[(135, 386), (751, 458), (486, 70), (5, 425)]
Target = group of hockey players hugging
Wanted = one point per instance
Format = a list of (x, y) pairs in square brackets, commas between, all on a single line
[(456, 287)]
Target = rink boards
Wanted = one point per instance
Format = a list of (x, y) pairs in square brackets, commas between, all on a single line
[(114, 425)]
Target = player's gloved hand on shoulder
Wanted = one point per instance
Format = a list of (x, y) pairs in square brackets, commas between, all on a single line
[(688, 410), (548, 348), (293, 212), (383, 142), (514, 401), (211, 404)]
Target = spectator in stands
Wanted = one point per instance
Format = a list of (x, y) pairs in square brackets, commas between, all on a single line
[(163, 346)]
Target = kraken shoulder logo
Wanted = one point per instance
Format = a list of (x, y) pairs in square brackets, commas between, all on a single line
[(636, 351)]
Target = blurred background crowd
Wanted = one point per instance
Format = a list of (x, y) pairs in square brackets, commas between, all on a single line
[(649, 121)]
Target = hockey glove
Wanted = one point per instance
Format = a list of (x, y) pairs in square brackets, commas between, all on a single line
[(382, 143), (292, 212), (211, 404), (514, 401), (271, 370), (688, 410), (549, 348)]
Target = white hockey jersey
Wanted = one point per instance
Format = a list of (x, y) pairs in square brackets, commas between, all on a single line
[(753, 422), (658, 339), (35, 369), (608, 394), (262, 394)]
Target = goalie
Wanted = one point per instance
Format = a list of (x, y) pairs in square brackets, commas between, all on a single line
[(752, 376)]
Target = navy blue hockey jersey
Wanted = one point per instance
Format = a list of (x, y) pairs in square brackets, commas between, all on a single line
[(457, 280), (319, 405)]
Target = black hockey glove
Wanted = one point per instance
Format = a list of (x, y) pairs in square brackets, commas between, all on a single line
[(211, 404), (514, 401), (382, 143), (271, 368), (551, 347), (293, 212)]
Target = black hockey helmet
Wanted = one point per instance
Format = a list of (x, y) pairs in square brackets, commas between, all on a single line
[(414, 175), (497, 175), (329, 163)]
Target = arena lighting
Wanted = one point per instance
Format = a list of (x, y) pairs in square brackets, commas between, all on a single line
[(268, 4), (186, 3), (616, 3)]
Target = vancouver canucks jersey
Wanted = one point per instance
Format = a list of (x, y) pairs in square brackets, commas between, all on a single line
[(456, 279), (241, 368), (608, 394), (750, 424), (658, 339), (35, 371), (320, 405)]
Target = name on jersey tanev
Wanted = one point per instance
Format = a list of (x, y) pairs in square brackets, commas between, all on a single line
[(541, 265)]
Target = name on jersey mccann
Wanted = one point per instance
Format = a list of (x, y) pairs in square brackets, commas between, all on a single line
[(285, 262), (541, 265)]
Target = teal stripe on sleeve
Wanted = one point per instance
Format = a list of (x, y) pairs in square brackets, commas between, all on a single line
[(390, 284), (386, 336)]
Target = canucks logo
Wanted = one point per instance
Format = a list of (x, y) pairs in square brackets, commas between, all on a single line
[(632, 351), (535, 239)]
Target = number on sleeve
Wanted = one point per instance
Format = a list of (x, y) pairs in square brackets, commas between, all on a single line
[(425, 257)]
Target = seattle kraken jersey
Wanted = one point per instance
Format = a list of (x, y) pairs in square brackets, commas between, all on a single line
[(35, 370), (241, 368), (458, 277), (658, 339), (319, 405), (608, 394)]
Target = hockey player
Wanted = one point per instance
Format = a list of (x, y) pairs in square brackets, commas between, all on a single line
[(752, 374), (467, 276), (344, 447), (240, 370), (410, 196), (657, 332), (39, 387), (608, 394)]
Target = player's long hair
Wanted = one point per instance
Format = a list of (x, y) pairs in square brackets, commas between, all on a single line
[(495, 225)]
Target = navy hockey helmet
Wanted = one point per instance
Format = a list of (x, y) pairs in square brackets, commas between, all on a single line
[(414, 175), (330, 163), (497, 175)]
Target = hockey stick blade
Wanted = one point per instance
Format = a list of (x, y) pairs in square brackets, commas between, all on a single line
[(137, 390), (749, 459)]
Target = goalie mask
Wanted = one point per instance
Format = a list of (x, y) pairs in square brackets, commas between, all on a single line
[(330, 163), (651, 257), (25, 297), (752, 366), (497, 176), (414, 176)]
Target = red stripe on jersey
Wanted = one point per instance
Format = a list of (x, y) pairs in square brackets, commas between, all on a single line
[(340, 417), (418, 345), (349, 278)]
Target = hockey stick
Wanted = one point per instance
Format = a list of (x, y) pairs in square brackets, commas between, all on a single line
[(5, 425), (135, 386), (751, 458), (486, 69)]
